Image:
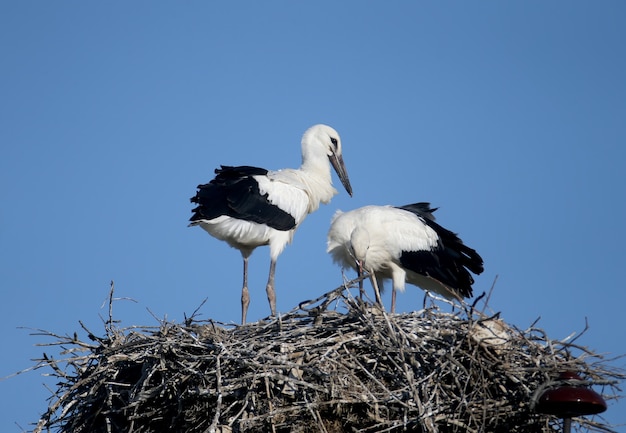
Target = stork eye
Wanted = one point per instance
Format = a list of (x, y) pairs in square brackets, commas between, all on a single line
[(334, 141)]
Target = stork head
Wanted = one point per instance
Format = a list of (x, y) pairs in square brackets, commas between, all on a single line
[(359, 245), (330, 142)]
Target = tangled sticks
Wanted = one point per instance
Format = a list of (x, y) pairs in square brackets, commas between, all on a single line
[(331, 365)]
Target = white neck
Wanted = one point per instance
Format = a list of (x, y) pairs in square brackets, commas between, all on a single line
[(315, 173)]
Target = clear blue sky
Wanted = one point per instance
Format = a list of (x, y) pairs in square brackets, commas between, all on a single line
[(508, 116)]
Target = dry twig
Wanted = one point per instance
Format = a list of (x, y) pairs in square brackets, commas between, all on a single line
[(316, 370)]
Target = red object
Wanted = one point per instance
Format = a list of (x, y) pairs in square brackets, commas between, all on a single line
[(568, 400)]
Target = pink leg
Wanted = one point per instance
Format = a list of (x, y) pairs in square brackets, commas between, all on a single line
[(271, 294), (245, 296)]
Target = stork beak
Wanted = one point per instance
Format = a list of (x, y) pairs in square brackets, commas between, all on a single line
[(340, 169), (359, 267), (360, 274)]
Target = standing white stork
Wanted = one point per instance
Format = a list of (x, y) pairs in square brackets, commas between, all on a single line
[(249, 206), (404, 244)]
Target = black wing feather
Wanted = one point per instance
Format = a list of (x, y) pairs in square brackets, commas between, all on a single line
[(235, 193), (421, 209), (451, 262)]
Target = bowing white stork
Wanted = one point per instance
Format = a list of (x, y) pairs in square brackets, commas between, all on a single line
[(249, 206), (404, 244)]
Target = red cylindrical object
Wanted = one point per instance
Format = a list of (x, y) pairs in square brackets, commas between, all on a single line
[(568, 400)]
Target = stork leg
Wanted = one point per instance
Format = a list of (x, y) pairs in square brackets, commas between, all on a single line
[(245, 296), (393, 300), (271, 294)]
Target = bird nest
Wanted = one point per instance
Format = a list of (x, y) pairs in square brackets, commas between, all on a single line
[(334, 364)]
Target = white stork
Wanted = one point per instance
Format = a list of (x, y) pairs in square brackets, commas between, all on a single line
[(249, 206), (404, 244)]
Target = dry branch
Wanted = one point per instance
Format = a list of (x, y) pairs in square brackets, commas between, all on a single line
[(332, 365)]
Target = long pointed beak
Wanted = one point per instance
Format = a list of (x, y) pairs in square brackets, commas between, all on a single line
[(359, 267), (340, 168), (360, 274)]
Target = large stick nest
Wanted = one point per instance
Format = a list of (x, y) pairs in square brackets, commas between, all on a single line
[(334, 364)]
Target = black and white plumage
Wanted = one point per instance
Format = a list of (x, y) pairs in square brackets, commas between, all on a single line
[(404, 244), (249, 206)]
